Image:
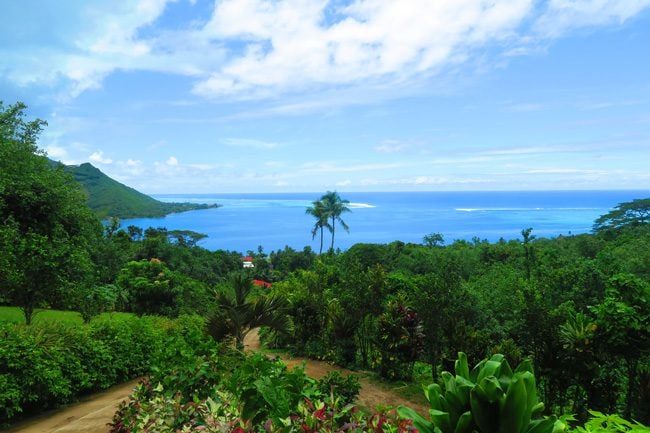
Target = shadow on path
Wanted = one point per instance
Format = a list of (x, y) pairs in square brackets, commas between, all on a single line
[(91, 415)]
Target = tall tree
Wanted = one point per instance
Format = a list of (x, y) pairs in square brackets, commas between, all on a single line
[(236, 314), (46, 230), (628, 214), (318, 211), (529, 252), (335, 206)]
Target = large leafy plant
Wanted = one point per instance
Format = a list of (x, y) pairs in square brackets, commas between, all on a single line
[(491, 398)]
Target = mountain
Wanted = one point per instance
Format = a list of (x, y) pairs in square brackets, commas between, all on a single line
[(109, 198)]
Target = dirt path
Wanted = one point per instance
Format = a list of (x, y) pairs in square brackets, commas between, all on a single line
[(93, 414), (371, 394), (89, 416)]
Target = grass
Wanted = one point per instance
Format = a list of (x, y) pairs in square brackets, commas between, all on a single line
[(15, 315), (411, 390)]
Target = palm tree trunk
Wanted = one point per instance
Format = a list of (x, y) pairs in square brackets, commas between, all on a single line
[(333, 228), (321, 241)]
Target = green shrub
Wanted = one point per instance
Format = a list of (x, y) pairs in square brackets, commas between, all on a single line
[(266, 389), (48, 363), (346, 388), (488, 399), (399, 341), (601, 423), (256, 394)]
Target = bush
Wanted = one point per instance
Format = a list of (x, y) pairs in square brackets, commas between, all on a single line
[(601, 423), (346, 388), (399, 341), (48, 363), (488, 398), (256, 394)]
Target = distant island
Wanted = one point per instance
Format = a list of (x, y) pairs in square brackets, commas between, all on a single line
[(110, 198)]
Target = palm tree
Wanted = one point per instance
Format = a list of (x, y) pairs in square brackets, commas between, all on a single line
[(236, 315), (318, 211), (334, 207)]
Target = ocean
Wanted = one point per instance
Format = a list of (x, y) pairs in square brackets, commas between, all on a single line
[(274, 221)]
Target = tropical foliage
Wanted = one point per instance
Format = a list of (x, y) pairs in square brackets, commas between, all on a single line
[(630, 214), (51, 363), (256, 394), (318, 211), (575, 306), (327, 211), (46, 238), (335, 206), (236, 313), (489, 398)]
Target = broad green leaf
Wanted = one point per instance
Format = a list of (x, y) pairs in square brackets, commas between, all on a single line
[(542, 425), (484, 412), (421, 423), (441, 420), (491, 389), (461, 366), (512, 409), (465, 423)]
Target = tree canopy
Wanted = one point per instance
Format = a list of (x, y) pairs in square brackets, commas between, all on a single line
[(628, 214), (318, 211), (334, 206), (46, 230)]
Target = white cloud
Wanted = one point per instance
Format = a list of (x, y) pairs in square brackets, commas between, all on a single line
[(564, 171), (56, 152), (262, 48), (202, 167), (392, 146), (531, 150), (251, 143), (564, 15), (288, 46), (172, 161), (419, 181), (329, 167), (346, 182), (98, 157), (130, 168), (525, 107)]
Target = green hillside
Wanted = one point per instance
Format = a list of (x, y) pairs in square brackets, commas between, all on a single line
[(109, 198)]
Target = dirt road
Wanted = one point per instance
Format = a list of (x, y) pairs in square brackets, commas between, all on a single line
[(90, 415), (93, 414), (371, 394)]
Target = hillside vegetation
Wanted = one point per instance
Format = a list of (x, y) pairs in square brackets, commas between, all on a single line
[(109, 198), (571, 312)]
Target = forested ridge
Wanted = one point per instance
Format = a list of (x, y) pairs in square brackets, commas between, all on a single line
[(573, 312), (109, 198)]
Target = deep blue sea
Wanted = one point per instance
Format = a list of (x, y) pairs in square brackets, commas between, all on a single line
[(274, 220)]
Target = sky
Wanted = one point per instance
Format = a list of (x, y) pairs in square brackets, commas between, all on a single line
[(198, 96)]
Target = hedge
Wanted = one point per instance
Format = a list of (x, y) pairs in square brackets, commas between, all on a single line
[(49, 364)]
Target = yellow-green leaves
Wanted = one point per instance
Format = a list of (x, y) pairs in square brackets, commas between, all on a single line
[(489, 399)]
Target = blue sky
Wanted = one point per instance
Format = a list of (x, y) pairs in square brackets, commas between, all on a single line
[(368, 95)]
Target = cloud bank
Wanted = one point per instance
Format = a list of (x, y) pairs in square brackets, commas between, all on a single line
[(264, 49)]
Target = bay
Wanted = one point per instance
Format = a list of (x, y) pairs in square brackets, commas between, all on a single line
[(246, 221)]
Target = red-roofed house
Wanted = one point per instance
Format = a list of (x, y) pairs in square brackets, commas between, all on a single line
[(262, 283)]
